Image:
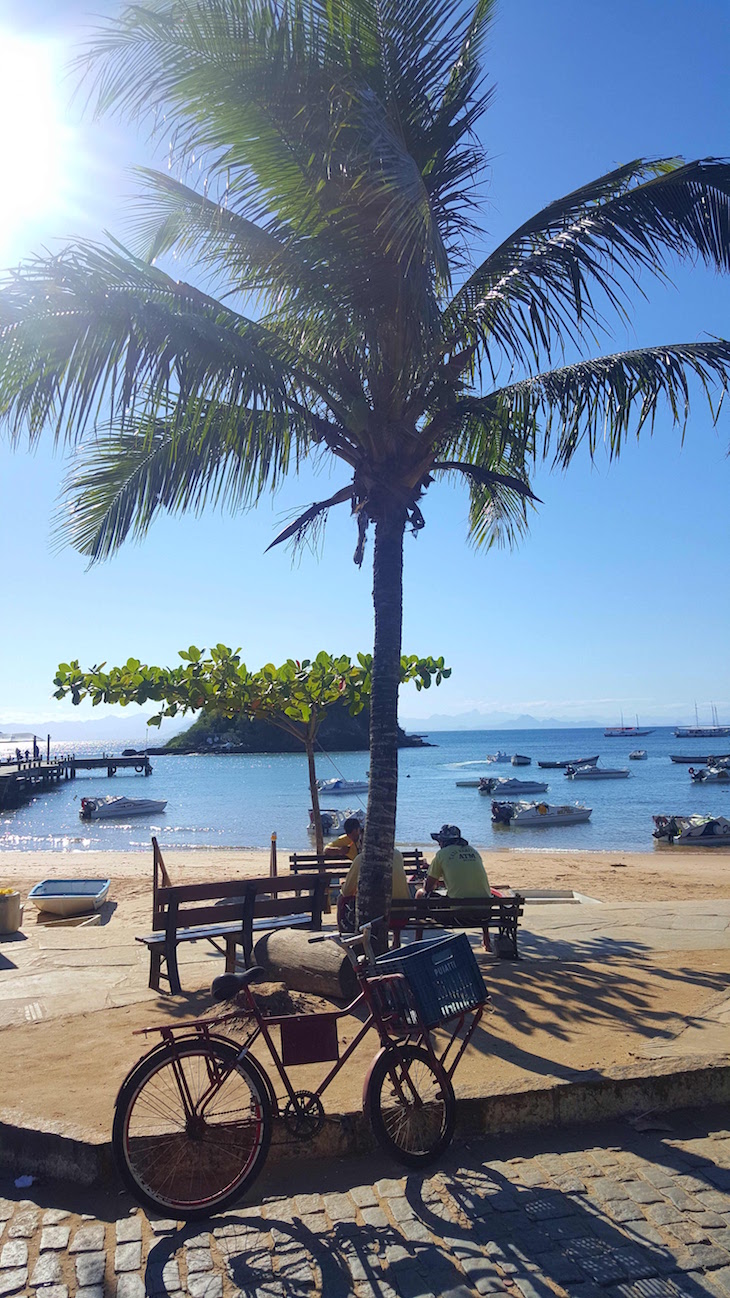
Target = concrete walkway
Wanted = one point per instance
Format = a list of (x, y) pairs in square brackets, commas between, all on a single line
[(606, 1212)]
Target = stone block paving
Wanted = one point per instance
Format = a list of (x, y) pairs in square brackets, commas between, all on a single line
[(604, 1212)]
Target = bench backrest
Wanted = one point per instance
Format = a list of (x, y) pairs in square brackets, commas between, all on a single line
[(412, 859), (188, 905)]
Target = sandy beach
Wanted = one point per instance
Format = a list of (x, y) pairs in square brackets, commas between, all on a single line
[(664, 874)]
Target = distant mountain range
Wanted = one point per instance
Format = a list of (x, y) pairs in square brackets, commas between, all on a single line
[(99, 730), (475, 720)]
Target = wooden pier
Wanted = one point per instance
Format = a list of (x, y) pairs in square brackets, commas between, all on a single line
[(22, 780)]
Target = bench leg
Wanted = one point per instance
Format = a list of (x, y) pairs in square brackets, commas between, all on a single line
[(155, 963), (231, 954), (173, 973)]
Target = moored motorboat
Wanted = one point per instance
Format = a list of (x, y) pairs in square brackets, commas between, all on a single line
[(468, 784), (638, 755), (333, 820), (692, 831), (596, 772), (507, 786), (709, 775), (709, 758), (529, 815), (119, 808), (340, 785), (519, 759), (68, 897), (571, 761)]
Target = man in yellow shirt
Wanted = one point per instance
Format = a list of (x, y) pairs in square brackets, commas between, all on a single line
[(459, 867), (346, 899), (349, 843)]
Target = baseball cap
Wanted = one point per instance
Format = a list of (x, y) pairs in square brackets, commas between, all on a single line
[(447, 833)]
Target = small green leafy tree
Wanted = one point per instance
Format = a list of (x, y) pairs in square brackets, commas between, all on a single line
[(295, 697)]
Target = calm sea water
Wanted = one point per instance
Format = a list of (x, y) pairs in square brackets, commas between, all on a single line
[(237, 801)]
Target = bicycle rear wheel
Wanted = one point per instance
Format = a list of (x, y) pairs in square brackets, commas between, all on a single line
[(411, 1105), (192, 1127)]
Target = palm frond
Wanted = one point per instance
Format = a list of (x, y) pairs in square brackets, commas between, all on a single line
[(610, 397), (498, 502), (95, 326), (558, 273), (302, 527), (121, 481)]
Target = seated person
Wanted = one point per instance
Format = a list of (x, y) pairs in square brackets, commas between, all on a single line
[(346, 899), (349, 843), (459, 867)]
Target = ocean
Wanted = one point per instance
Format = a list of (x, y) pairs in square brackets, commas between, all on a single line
[(228, 801)]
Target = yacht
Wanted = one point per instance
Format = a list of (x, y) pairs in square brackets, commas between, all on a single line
[(697, 731), (625, 732)]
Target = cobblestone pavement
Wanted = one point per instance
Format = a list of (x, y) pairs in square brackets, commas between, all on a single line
[(600, 1212)]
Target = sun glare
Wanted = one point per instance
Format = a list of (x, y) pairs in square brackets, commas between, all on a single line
[(34, 143)]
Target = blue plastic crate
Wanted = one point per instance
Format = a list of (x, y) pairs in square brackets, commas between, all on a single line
[(444, 977)]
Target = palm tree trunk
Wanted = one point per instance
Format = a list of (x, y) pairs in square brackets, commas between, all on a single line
[(374, 888), (314, 794)]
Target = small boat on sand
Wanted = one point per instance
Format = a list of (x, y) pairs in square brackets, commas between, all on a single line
[(119, 808), (67, 897), (571, 761), (520, 815), (692, 831), (504, 787)]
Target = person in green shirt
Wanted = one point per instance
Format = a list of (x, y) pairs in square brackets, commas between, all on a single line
[(459, 867)]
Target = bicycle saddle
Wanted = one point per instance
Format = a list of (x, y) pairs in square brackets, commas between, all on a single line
[(227, 986)]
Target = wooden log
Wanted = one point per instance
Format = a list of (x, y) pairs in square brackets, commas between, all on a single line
[(321, 968)]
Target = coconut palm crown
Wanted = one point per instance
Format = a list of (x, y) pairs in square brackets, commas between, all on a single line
[(324, 183)]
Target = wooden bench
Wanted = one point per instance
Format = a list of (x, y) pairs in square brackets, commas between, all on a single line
[(412, 860), (225, 914), (438, 912)]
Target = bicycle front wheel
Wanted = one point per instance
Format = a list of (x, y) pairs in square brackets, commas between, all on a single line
[(411, 1105), (192, 1127)]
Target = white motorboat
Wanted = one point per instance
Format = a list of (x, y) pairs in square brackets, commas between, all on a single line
[(638, 755), (340, 785), (499, 756), (709, 775), (520, 760), (119, 808), (67, 897), (693, 831), (596, 773), (506, 786), (539, 814), (333, 820)]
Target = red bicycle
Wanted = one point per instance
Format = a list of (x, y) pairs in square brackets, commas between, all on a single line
[(193, 1119)]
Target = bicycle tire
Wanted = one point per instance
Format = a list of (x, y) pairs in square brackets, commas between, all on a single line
[(181, 1167), (418, 1125)]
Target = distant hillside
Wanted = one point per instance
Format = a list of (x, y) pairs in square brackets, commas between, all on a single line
[(339, 732)]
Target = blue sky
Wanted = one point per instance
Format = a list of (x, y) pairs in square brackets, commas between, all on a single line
[(618, 598)]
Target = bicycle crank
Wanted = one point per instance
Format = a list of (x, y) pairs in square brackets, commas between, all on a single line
[(304, 1115)]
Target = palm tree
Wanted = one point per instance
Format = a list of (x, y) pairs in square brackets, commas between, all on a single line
[(325, 187)]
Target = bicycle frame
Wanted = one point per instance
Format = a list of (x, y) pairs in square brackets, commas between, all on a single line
[(262, 1026)]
